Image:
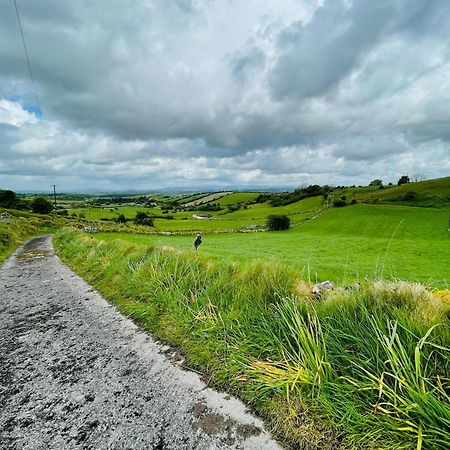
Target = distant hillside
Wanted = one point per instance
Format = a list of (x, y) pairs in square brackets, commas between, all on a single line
[(238, 197), (429, 193)]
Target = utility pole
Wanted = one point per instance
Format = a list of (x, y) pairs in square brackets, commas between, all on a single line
[(54, 193)]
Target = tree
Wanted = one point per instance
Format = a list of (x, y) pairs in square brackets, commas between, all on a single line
[(121, 218), (7, 199), (41, 205), (278, 223), (143, 218), (376, 182), (404, 179)]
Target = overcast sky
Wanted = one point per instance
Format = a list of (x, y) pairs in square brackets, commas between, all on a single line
[(146, 94)]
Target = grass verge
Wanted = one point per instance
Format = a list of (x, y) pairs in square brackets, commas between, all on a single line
[(18, 226), (356, 369)]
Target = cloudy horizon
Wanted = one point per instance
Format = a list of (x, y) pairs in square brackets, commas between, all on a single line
[(150, 94)]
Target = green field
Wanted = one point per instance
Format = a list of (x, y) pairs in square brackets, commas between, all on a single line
[(364, 368), (429, 193), (111, 212), (220, 220), (380, 236), (20, 226), (343, 244), (238, 197)]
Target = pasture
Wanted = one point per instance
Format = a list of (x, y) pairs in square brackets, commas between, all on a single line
[(343, 245), (223, 220), (429, 193), (322, 372)]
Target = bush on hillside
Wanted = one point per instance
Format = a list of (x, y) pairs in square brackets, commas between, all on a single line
[(207, 207), (143, 218), (286, 198), (41, 205), (7, 199), (410, 195), (339, 203), (278, 223), (261, 198), (121, 218), (403, 180), (61, 212)]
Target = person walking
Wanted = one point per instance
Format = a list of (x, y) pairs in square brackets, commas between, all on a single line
[(198, 241)]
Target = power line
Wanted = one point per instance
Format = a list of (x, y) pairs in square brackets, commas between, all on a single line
[(26, 54)]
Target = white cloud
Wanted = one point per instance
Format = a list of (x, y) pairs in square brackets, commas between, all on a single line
[(12, 113)]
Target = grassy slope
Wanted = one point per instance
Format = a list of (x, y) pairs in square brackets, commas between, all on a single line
[(207, 199), (237, 197), (326, 374), (23, 226), (342, 245), (434, 192), (110, 212), (253, 215)]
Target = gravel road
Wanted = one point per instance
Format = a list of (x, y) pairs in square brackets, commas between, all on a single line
[(76, 374)]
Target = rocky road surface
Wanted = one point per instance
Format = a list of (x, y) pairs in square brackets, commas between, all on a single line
[(76, 374)]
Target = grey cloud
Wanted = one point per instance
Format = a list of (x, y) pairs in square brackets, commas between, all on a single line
[(368, 148), (215, 90), (315, 57), (245, 64)]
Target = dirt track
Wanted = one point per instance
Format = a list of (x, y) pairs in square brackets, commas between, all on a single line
[(75, 374)]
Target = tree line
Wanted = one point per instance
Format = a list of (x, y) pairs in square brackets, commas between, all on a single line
[(39, 205)]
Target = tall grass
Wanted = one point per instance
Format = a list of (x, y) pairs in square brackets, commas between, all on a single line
[(359, 369), (20, 227)]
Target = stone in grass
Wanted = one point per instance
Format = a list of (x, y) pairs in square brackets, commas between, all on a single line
[(321, 287)]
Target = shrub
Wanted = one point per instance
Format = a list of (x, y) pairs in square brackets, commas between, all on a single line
[(62, 212), (121, 218), (339, 203), (7, 199), (403, 180), (232, 208), (410, 195), (278, 223), (41, 205), (143, 218)]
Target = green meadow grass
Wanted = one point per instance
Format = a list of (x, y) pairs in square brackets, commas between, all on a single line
[(189, 198), (23, 226), (237, 197), (211, 197), (297, 211), (111, 212), (362, 369), (220, 221), (434, 192), (344, 244)]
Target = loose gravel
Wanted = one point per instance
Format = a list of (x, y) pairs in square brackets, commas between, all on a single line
[(76, 374)]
